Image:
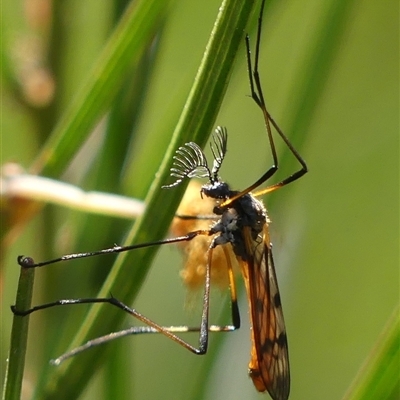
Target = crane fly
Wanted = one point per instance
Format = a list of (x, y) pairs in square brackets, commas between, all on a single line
[(239, 233)]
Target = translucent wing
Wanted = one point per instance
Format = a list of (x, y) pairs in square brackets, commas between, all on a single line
[(269, 364)]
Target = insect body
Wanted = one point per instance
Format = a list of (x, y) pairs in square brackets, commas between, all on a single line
[(243, 224)]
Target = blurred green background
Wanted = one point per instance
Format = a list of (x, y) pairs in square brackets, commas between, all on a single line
[(330, 77)]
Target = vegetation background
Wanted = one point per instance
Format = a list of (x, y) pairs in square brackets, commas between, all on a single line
[(330, 76)]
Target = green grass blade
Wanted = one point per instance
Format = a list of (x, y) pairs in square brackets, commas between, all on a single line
[(378, 378), (16, 359), (125, 47)]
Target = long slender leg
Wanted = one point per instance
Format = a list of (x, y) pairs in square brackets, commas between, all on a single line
[(28, 262), (258, 97), (151, 326)]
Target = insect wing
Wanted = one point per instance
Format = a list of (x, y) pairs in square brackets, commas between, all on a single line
[(269, 364)]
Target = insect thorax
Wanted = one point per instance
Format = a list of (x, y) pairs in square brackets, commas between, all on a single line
[(244, 212)]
